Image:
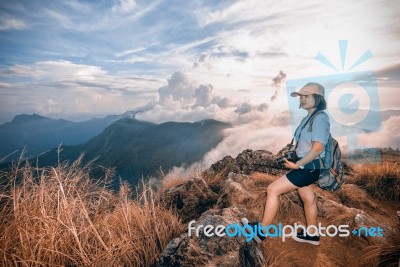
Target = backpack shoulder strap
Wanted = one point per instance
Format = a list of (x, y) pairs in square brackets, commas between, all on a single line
[(315, 112), (310, 124)]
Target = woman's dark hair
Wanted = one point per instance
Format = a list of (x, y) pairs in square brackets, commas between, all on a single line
[(320, 102)]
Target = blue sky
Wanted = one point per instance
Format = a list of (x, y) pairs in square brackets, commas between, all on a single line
[(182, 60)]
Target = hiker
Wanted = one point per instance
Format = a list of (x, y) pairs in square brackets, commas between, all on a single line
[(310, 146)]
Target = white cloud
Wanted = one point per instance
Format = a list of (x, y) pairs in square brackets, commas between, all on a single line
[(56, 70), (183, 99), (130, 51), (254, 127), (238, 11), (92, 17), (299, 30), (67, 90), (64, 19), (244, 108), (125, 13), (180, 87), (256, 134), (10, 23), (203, 95), (124, 6), (387, 136), (78, 6)]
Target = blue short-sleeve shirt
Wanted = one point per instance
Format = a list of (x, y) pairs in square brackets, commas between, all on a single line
[(320, 133)]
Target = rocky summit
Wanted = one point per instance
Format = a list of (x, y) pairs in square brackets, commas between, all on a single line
[(234, 188)]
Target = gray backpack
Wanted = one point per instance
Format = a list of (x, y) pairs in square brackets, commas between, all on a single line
[(331, 177)]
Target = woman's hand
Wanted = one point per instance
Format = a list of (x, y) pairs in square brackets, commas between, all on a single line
[(282, 152), (290, 165)]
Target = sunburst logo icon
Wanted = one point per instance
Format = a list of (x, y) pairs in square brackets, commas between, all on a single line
[(352, 96)]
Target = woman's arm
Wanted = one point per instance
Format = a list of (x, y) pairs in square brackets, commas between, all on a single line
[(315, 151)]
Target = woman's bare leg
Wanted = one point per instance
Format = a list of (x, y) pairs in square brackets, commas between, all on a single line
[(307, 195), (274, 190)]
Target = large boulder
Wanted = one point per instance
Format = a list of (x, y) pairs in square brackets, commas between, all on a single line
[(247, 162), (189, 199), (213, 250), (235, 191), (250, 161)]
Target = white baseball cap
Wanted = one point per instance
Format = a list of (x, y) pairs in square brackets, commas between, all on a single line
[(309, 89)]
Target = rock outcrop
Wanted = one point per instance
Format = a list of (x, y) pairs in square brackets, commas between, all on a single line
[(189, 199), (203, 250), (235, 191), (247, 162)]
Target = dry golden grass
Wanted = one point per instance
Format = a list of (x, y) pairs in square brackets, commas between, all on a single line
[(262, 180), (383, 254), (275, 257), (290, 208), (342, 218), (258, 186), (379, 180), (170, 182), (61, 217), (215, 181)]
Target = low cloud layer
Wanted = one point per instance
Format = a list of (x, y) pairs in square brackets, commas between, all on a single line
[(387, 136), (268, 134), (184, 99), (253, 126), (256, 135)]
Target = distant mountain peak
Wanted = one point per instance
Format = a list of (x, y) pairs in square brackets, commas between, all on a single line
[(38, 133), (28, 118)]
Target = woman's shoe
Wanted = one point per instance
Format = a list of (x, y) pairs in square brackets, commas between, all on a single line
[(301, 237)]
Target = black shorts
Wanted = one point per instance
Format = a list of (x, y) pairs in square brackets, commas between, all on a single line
[(306, 176)]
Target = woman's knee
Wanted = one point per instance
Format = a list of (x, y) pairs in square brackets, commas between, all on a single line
[(272, 190), (280, 186), (308, 198)]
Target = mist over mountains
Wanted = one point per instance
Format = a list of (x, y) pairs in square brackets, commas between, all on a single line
[(137, 148)]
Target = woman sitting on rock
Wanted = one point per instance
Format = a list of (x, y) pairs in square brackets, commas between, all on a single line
[(310, 146)]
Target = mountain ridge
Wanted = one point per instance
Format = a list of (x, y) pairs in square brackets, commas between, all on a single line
[(138, 148), (36, 134)]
